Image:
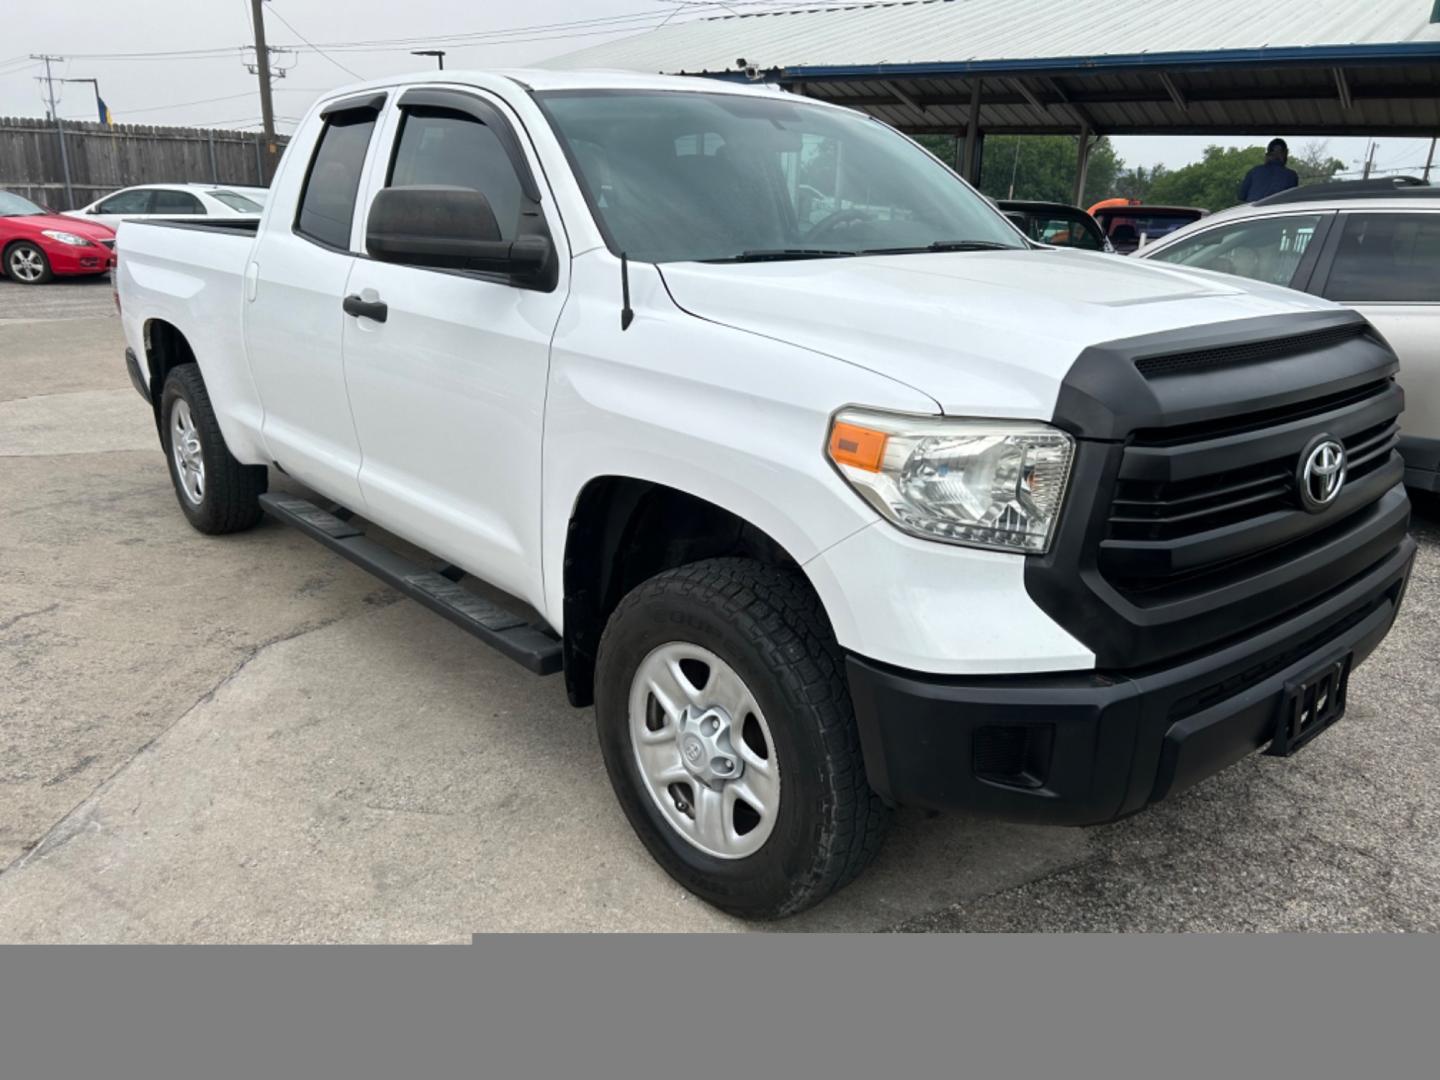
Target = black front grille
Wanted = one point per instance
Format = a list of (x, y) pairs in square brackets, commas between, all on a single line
[(1187, 512), (1250, 352), (1183, 526)]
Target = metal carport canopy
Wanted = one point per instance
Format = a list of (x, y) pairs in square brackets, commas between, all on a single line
[(1122, 67)]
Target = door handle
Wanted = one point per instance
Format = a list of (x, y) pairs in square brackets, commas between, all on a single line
[(369, 309)]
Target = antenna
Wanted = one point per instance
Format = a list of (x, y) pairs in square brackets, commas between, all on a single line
[(627, 316)]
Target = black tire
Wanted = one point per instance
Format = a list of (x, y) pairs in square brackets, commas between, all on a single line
[(230, 498), (768, 625), (34, 250)]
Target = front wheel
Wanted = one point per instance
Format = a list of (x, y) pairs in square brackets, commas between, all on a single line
[(728, 734), (27, 264)]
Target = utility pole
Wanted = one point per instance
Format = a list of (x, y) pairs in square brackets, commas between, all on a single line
[(1430, 161), (262, 68), (59, 127), (439, 55), (1369, 160)]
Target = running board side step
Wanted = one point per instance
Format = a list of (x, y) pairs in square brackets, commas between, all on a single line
[(528, 645)]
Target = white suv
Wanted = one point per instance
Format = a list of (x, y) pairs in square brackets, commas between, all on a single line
[(1372, 245)]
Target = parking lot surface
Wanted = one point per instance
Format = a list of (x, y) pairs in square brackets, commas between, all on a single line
[(247, 738)]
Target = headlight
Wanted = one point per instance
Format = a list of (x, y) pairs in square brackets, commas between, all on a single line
[(65, 237), (982, 483)]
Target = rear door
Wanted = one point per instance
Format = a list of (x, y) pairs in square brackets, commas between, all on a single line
[(1386, 264), (449, 391), (295, 285)]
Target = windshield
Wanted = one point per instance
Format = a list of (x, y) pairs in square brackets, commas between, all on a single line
[(237, 202), (12, 205), (678, 175)]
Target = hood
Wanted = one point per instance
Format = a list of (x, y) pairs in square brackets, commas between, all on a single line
[(984, 333), (92, 230)]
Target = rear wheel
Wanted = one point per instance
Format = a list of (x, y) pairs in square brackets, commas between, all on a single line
[(728, 733), (216, 492), (27, 264)]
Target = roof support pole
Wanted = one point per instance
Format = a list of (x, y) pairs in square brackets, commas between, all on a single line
[(905, 99), (972, 131), (1342, 88), (1174, 91), (1082, 163)]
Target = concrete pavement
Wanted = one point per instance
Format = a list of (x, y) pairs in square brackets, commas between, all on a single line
[(248, 739)]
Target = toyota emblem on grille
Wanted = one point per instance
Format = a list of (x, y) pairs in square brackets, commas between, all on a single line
[(1322, 472)]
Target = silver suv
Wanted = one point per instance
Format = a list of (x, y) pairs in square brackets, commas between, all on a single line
[(1373, 245)]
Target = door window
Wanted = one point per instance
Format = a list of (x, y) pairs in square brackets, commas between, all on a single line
[(176, 202), (1387, 258), (327, 205), (1267, 249), (438, 146), (136, 201)]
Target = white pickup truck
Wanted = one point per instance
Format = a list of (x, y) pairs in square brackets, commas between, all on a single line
[(828, 503)]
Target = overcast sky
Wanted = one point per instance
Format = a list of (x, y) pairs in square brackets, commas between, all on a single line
[(214, 89)]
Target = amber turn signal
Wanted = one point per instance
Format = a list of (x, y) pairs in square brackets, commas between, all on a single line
[(859, 447)]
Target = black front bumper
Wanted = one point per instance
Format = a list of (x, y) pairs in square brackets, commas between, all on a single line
[(1088, 748)]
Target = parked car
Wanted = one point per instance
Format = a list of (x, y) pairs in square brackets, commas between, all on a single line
[(890, 507), (1055, 223), (1130, 228), (171, 200), (37, 244), (1372, 246)]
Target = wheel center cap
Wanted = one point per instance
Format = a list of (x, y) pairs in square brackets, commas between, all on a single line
[(694, 750), (705, 745)]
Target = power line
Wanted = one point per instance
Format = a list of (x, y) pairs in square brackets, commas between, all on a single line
[(312, 45), (227, 97)]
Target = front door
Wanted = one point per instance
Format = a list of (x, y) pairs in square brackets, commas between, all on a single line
[(448, 391)]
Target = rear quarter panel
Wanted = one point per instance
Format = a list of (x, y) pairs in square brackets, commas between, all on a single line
[(194, 280)]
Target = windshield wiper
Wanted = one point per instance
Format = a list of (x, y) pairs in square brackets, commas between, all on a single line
[(778, 254), (945, 245)]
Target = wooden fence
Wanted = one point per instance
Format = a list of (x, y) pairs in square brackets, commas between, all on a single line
[(103, 158)]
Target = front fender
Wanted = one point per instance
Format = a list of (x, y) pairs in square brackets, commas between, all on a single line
[(727, 416)]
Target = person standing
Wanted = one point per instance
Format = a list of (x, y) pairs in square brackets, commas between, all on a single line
[(1270, 177)]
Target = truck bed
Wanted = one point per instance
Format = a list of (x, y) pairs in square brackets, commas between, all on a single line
[(224, 226)]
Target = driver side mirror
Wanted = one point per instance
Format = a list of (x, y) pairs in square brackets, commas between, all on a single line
[(453, 228)]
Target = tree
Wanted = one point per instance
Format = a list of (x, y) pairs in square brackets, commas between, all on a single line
[(1314, 165), (1136, 183), (1042, 166), (1213, 182)]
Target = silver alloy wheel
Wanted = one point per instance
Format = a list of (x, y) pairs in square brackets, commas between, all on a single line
[(704, 750), (185, 449), (26, 264)]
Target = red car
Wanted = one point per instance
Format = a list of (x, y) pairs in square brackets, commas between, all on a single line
[(36, 245)]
